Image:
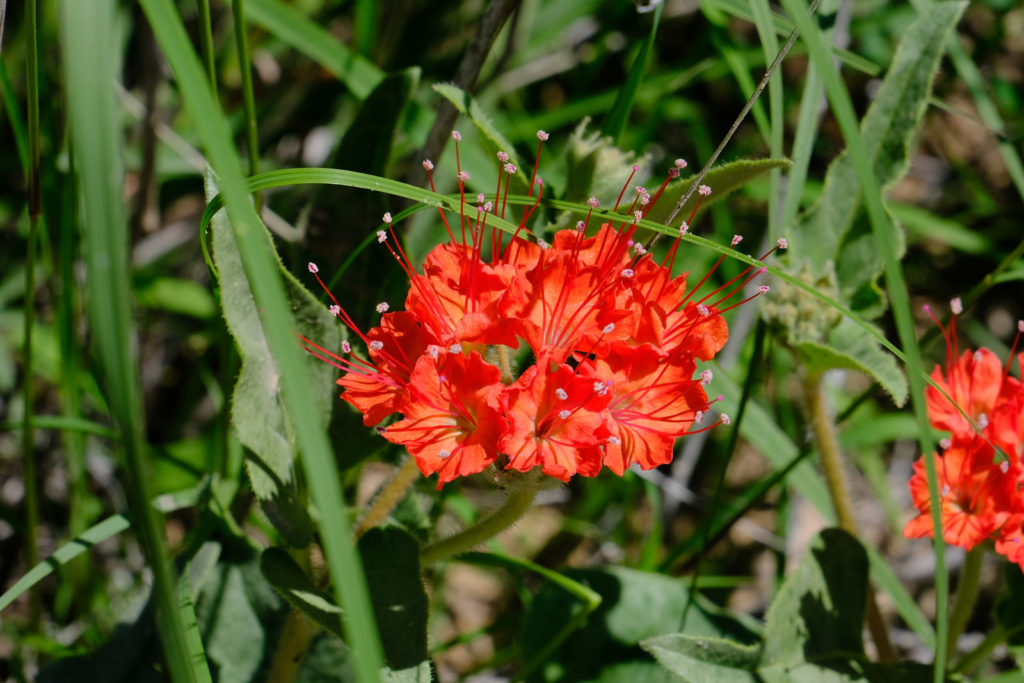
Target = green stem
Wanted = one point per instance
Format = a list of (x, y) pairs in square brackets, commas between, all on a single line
[(206, 39), (518, 502), (249, 99), (28, 383), (966, 594), (389, 496), (973, 658), (824, 430)]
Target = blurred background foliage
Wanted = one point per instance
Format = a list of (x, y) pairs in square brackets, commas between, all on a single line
[(351, 85)]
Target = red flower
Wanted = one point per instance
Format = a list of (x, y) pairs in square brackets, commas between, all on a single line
[(453, 415), (979, 494), (615, 337), (556, 422), (652, 401)]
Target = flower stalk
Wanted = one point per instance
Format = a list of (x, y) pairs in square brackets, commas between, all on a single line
[(389, 496), (519, 500), (824, 431), (966, 594)]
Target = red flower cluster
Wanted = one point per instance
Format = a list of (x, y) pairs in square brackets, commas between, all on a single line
[(613, 337), (980, 471)]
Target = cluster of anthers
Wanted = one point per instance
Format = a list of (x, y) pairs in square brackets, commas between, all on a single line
[(613, 337), (980, 473)]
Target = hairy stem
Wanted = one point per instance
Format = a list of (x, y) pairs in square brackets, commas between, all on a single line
[(389, 496), (824, 430), (966, 594), (518, 502), (296, 636)]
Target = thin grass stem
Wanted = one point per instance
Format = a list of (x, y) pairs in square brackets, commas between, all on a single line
[(28, 381)]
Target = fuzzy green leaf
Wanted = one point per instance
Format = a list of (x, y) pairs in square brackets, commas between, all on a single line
[(256, 408), (634, 606), (849, 348), (819, 611), (700, 659), (391, 558), (722, 180), (887, 131), (288, 579)]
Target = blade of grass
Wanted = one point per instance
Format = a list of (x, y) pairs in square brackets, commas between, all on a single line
[(94, 535), (206, 40), (248, 98), (28, 433), (617, 117), (763, 20), (348, 581), (359, 74), (842, 107), (756, 363), (89, 66), (68, 423), (17, 125)]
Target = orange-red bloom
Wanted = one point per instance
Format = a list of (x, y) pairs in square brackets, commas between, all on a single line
[(614, 339), (979, 494), (980, 473)]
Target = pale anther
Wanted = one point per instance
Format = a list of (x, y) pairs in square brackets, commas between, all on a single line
[(335, 310), (542, 136), (561, 393), (564, 414), (383, 306), (382, 236), (455, 348), (456, 135), (706, 377), (957, 306), (428, 165), (313, 268), (387, 217), (782, 243), (704, 190), (376, 345)]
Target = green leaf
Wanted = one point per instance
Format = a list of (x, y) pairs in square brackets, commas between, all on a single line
[(634, 606), (283, 573), (257, 410), (698, 659), (391, 558), (722, 180), (887, 131), (819, 611), (848, 347)]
